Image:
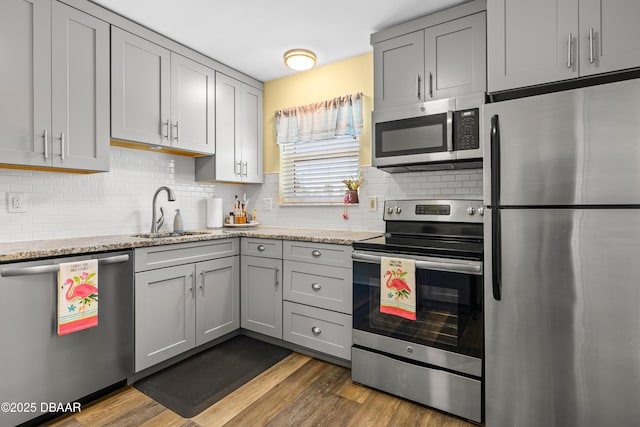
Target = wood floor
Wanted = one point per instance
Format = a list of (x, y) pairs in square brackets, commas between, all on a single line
[(298, 391)]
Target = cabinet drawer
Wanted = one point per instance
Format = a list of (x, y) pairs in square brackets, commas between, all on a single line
[(318, 285), (267, 248), (183, 253), (317, 329), (318, 253)]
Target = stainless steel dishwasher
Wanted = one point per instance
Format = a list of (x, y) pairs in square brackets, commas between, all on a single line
[(38, 367)]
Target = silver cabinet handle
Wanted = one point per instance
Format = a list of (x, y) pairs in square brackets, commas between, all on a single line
[(177, 137), (430, 85), (62, 145), (54, 268), (191, 279), (46, 145), (316, 253), (419, 94), (569, 53), (246, 168), (202, 282), (316, 286), (237, 165), (316, 331), (261, 248), (449, 130), (276, 270), (165, 125), (591, 55)]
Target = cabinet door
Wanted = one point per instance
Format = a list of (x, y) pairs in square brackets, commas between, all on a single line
[(218, 298), (455, 57), (228, 128), (530, 43), (192, 105), (140, 85), (25, 82), (398, 67), (261, 295), (609, 35), (80, 88), (164, 314), (251, 133)]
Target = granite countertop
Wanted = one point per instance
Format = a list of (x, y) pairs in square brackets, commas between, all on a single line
[(29, 250)]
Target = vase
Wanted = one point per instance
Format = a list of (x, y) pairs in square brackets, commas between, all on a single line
[(353, 197)]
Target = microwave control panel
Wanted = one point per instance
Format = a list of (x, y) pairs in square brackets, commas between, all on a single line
[(466, 129)]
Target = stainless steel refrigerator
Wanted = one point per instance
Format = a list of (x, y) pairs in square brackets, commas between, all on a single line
[(562, 258)]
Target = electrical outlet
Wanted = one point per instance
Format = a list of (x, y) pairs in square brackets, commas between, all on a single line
[(16, 202), (373, 203), (267, 204)]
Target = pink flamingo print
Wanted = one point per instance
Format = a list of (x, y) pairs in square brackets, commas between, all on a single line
[(79, 292), (398, 284)]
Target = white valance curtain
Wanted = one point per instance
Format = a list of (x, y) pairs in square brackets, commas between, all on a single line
[(323, 120)]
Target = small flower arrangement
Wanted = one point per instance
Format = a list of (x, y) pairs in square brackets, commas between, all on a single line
[(353, 184)]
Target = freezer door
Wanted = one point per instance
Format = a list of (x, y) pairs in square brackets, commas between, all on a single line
[(574, 147), (562, 346)]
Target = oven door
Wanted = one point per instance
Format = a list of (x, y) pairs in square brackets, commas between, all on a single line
[(448, 330)]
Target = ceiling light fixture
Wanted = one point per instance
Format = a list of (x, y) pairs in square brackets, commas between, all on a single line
[(299, 59)]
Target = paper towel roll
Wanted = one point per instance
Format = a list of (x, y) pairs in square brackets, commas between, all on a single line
[(214, 212)]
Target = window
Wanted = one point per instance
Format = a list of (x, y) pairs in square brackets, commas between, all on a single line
[(312, 172), (319, 148)]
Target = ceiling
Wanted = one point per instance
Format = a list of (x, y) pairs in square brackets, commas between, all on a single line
[(252, 35)]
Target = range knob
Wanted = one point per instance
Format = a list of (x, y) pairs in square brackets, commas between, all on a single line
[(471, 210), (398, 210), (481, 211), (389, 210)]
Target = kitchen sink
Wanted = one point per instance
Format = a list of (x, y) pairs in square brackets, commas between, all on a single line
[(169, 234)]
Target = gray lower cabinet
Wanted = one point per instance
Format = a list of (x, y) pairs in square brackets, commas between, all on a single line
[(160, 97), (184, 304), (441, 61), (532, 43), (317, 293), (55, 102), (261, 295)]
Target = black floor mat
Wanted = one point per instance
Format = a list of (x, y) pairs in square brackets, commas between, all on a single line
[(194, 384)]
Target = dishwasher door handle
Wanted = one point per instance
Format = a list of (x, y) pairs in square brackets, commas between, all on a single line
[(470, 267), (54, 268)]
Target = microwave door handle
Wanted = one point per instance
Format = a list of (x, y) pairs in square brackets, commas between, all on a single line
[(450, 131)]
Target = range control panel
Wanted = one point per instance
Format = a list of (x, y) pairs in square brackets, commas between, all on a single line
[(434, 210)]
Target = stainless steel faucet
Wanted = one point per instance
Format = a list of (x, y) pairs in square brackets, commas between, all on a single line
[(157, 223)]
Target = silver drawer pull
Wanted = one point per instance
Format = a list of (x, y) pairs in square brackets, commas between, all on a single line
[(261, 248), (316, 253), (316, 330), (316, 286)]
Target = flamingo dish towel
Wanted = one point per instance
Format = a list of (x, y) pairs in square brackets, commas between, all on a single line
[(77, 296), (397, 287)]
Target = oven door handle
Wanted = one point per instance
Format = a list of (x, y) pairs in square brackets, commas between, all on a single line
[(470, 267)]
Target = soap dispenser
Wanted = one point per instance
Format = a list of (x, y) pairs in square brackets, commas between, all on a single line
[(178, 227)]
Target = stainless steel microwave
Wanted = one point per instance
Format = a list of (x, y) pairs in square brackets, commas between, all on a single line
[(434, 135)]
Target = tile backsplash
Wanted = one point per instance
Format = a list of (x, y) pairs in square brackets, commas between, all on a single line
[(119, 202)]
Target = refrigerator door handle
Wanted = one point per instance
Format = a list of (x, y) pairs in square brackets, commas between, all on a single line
[(495, 161), (496, 254)]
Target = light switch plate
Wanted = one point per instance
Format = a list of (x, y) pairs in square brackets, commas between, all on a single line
[(373, 203), (16, 202)]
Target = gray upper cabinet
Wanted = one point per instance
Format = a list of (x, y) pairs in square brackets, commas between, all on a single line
[(160, 97), (140, 86), (441, 61), (55, 104), (539, 42), (398, 68), (238, 132)]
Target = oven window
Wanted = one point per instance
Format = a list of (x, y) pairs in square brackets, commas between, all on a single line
[(425, 134), (448, 309)]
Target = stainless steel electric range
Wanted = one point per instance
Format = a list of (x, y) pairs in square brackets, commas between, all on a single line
[(436, 359)]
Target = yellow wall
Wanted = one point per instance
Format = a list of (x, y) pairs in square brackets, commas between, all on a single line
[(339, 78)]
